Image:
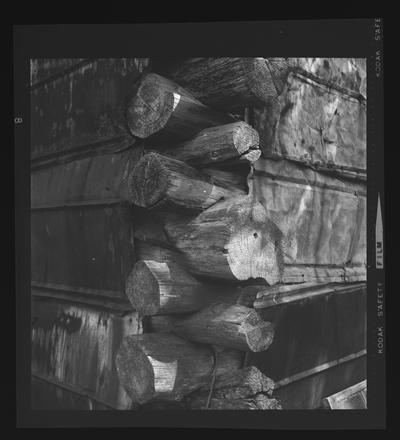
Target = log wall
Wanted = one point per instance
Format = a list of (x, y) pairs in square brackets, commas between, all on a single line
[(161, 188)]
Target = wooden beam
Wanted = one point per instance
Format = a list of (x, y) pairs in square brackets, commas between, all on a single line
[(228, 83), (227, 325), (235, 143), (234, 239), (163, 110), (166, 367), (161, 182)]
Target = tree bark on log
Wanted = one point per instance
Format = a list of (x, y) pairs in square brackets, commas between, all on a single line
[(166, 367), (233, 239), (258, 402), (228, 83), (162, 182), (227, 325), (238, 384), (229, 144), (164, 110)]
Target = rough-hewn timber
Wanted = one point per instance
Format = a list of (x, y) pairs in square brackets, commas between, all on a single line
[(234, 239), (235, 143), (161, 182), (166, 367), (163, 108), (227, 83), (228, 325)]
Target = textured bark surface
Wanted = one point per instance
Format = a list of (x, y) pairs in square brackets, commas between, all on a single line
[(228, 144), (166, 367), (227, 83), (233, 239), (161, 182), (227, 325), (238, 384), (164, 110), (316, 119), (322, 219), (258, 402)]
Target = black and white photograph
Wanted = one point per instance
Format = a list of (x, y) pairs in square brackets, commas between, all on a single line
[(198, 233)]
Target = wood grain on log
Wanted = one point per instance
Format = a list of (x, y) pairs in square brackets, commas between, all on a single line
[(228, 325), (159, 181), (234, 239), (228, 83), (164, 109), (166, 367), (238, 384), (233, 143), (258, 402), (161, 287)]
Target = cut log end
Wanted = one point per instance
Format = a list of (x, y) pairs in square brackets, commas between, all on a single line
[(150, 108), (135, 371), (143, 288), (259, 334)]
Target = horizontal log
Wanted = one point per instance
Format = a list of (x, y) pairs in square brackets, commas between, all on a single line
[(161, 182), (163, 110), (166, 367), (165, 287), (228, 83), (227, 325), (234, 239), (161, 287), (233, 143), (258, 402), (238, 384)]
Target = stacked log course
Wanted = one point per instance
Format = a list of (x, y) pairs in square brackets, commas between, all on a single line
[(232, 215)]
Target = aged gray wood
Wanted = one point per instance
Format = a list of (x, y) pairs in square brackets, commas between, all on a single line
[(162, 287), (227, 83), (227, 144), (163, 108), (166, 367), (258, 402), (161, 182), (227, 325), (234, 239)]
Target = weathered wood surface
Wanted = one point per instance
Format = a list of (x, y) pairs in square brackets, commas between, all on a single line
[(284, 294), (258, 402), (227, 325), (162, 109), (309, 392), (83, 109), (227, 83), (159, 287), (234, 239), (322, 220), (82, 224), (76, 346), (317, 121), (90, 247), (235, 143), (46, 69), (309, 333), (161, 182), (166, 367), (238, 384), (354, 397)]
